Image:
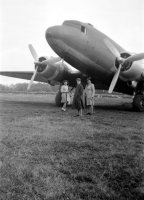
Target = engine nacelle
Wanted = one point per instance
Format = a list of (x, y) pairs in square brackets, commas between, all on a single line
[(54, 72), (41, 68), (124, 56), (131, 71), (134, 73)]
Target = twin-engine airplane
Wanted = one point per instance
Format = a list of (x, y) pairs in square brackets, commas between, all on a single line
[(92, 54)]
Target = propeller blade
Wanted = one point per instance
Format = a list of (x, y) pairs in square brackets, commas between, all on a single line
[(32, 79), (112, 48), (135, 57), (114, 80), (33, 52)]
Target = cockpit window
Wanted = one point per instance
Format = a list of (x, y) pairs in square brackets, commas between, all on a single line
[(83, 29), (75, 24), (90, 24), (72, 23)]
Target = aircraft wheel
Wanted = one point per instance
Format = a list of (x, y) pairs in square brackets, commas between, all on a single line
[(58, 99), (138, 102)]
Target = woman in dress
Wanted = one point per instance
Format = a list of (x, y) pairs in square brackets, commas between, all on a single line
[(78, 97), (89, 93), (65, 97)]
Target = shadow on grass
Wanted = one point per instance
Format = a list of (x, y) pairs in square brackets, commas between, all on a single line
[(115, 107)]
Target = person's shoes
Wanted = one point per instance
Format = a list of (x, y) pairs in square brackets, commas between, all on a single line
[(63, 109)]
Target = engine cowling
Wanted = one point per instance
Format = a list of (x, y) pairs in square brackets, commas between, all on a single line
[(124, 67), (54, 71), (131, 71), (41, 68)]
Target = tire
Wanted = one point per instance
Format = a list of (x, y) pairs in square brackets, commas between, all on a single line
[(58, 99), (138, 103)]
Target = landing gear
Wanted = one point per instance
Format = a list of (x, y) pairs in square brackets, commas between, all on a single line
[(58, 99), (138, 101)]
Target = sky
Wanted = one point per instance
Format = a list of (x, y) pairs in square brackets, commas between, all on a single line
[(25, 21)]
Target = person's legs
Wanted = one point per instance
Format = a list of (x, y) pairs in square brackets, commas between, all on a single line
[(64, 107), (92, 109), (80, 112), (92, 106), (79, 108), (89, 109)]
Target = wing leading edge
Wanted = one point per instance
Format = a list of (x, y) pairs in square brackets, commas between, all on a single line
[(23, 75)]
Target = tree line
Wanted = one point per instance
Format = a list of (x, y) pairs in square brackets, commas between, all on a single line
[(22, 87)]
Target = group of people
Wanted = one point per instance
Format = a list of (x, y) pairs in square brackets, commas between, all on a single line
[(81, 98)]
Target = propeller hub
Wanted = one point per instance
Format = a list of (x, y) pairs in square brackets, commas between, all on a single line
[(41, 68), (121, 59)]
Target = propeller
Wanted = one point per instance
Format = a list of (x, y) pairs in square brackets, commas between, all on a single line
[(133, 58), (114, 80), (32, 78), (35, 56), (116, 53), (33, 52), (122, 62)]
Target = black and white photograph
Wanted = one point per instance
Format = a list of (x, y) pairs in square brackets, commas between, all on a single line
[(71, 100)]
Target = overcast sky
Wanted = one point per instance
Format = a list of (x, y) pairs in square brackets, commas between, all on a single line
[(25, 21)]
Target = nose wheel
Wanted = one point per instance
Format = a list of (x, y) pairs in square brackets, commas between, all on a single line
[(138, 102)]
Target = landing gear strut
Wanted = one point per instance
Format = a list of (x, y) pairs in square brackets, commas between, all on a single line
[(138, 101)]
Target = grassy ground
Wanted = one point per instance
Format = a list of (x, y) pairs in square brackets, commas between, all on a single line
[(46, 154)]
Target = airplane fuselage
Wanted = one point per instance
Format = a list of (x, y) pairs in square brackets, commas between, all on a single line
[(83, 47)]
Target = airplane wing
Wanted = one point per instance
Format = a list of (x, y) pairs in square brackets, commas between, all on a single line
[(23, 75), (28, 74)]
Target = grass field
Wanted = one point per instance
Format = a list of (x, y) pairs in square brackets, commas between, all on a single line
[(46, 154)]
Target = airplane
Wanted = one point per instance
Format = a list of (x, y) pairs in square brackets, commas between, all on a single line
[(91, 54)]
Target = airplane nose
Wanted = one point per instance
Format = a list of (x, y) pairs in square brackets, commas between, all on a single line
[(49, 32), (53, 33), (59, 38), (56, 37)]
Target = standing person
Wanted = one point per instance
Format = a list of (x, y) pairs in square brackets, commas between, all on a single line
[(65, 97), (89, 93), (78, 97)]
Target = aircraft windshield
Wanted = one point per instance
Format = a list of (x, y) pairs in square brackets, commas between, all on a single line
[(75, 24), (83, 29), (72, 23)]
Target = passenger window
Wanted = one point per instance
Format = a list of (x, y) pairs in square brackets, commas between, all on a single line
[(83, 29)]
